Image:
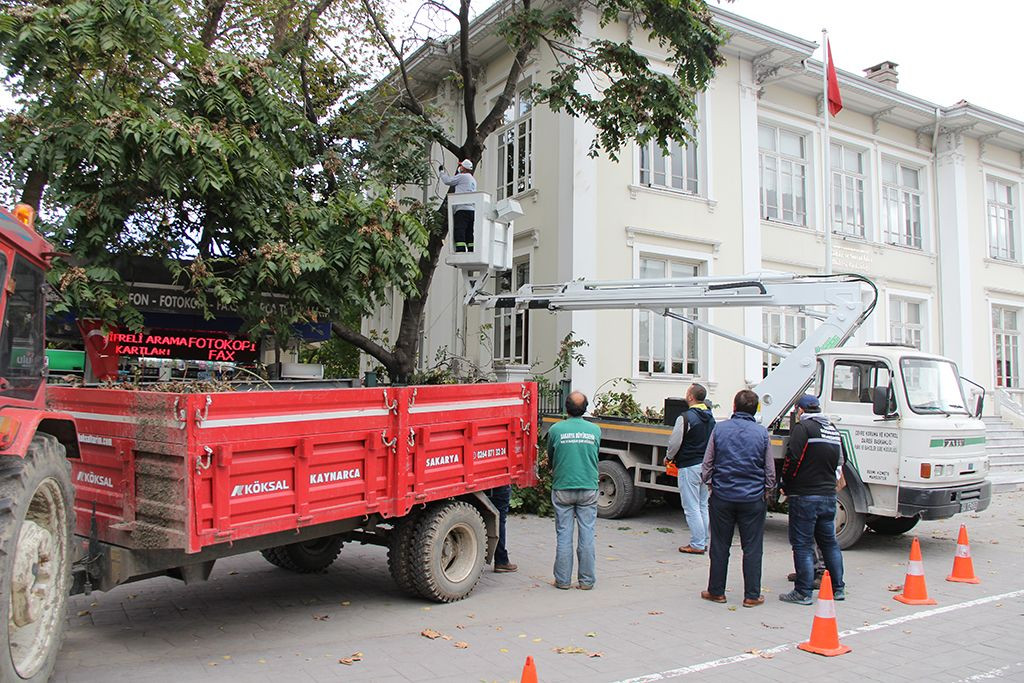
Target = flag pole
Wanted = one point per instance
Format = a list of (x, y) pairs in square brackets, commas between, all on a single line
[(827, 145)]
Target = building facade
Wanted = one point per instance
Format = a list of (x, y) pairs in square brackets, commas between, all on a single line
[(926, 201)]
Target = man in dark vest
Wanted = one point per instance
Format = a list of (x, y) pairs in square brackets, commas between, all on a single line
[(686, 448)]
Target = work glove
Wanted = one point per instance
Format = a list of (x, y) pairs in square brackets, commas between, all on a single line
[(441, 168)]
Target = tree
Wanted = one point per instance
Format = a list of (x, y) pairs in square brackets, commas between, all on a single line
[(633, 102), (257, 144)]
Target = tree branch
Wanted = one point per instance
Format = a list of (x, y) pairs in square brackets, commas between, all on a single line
[(214, 12), (300, 36), (494, 117), (465, 68), (413, 104), (363, 344)]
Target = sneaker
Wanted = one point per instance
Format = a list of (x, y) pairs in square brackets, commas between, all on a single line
[(562, 587), (796, 598), (508, 567), (586, 586), (839, 594), (712, 597), (753, 602), (690, 550)]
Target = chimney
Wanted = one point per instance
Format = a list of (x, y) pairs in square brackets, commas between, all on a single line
[(884, 73)]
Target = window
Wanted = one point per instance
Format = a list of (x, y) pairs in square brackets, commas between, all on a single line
[(1001, 221), (676, 170), (848, 178), (901, 204), (783, 328), (515, 146), (667, 347), (22, 357), (783, 168), (1006, 333), (855, 381), (512, 326), (906, 321)]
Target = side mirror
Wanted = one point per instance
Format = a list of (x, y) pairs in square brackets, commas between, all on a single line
[(979, 406), (880, 400)]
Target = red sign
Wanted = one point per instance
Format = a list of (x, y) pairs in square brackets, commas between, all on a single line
[(182, 345)]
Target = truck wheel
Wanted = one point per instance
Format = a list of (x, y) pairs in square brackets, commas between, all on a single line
[(892, 526), (400, 549), (308, 557), (614, 490), (36, 514), (849, 522), (448, 551)]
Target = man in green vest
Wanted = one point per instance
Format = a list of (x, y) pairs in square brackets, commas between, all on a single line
[(572, 451)]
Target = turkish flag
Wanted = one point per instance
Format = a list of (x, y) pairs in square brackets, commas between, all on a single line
[(835, 98)]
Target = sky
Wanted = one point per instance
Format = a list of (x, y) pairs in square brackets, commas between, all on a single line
[(946, 51)]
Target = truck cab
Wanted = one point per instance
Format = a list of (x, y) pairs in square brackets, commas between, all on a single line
[(915, 448)]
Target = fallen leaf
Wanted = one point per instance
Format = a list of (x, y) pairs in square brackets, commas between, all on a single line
[(994, 542), (887, 609), (766, 655), (664, 530), (504, 649), (226, 658), (84, 613), (522, 635), (595, 654), (770, 626), (261, 661), (232, 573), (352, 658), (664, 562), (895, 587), (592, 634), (346, 603), (461, 644), (430, 633), (623, 528), (732, 608), (471, 616), (655, 613), (753, 651), (425, 609), (321, 617), (94, 604), (460, 626), (569, 650), (445, 636), (537, 640)]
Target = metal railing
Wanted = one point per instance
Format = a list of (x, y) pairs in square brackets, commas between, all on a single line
[(552, 398), (1011, 401)]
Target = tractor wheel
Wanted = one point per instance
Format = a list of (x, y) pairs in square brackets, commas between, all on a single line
[(36, 517), (400, 550), (308, 557), (448, 551)]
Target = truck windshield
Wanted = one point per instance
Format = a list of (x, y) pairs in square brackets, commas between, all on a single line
[(21, 341), (933, 386)]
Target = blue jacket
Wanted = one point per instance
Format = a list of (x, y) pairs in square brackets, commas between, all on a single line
[(738, 466)]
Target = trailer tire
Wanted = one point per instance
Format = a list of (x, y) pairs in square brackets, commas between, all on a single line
[(614, 490), (308, 557), (849, 522), (36, 518), (448, 550), (892, 526), (400, 547)]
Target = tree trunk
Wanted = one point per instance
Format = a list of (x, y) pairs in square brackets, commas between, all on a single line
[(35, 183)]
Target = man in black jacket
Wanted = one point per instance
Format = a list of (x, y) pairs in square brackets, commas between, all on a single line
[(810, 472), (686, 448)]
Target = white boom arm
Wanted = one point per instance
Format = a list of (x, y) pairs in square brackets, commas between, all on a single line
[(840, 294)]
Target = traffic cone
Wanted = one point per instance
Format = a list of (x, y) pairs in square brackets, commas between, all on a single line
[(963, 565), (825, 630), (529, 671), (914, 590)]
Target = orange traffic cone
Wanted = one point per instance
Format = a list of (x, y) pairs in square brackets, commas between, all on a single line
[(529, 672), (914, 590), (963, 566), (824, 630)]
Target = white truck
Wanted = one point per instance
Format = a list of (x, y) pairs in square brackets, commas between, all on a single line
[(915, 447)]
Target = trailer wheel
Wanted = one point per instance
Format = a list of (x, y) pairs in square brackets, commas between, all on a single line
[(308, 557), (400, 549), (36, 512), (614, 490), (849, 522), (448, 551), (892, 526)]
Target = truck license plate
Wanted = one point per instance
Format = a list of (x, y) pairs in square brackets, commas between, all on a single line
[(968, 505)]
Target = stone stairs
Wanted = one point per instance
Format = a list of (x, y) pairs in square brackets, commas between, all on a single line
[(1005, 448)]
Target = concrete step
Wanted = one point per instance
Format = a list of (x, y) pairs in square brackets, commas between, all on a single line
[(1005, 482), (998, 450)]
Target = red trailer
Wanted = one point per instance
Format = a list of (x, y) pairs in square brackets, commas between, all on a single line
[(136, 484)]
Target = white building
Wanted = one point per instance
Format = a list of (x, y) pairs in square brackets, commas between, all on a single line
[(926, 202)]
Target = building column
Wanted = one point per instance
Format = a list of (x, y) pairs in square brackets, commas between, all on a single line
[(954, 251), (750, 184)]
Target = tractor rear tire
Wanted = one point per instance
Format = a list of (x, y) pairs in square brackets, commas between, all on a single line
[(400, 550), (308, 557), (449, 545), (36, 523)]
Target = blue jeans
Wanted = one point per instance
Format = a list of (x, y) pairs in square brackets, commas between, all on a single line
[(501, 497), (812, 520), (575, 507), (694, 494)]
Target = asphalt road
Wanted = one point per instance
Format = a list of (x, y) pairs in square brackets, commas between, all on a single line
[(644, 621)]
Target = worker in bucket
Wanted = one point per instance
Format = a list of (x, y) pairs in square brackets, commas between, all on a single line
[(463, 215)]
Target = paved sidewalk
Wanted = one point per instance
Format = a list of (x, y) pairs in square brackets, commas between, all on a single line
[(256, 622)]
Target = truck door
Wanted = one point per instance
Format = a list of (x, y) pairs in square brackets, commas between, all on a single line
[(871, 445)]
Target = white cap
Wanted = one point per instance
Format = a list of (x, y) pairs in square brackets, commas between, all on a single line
[(466, 164)]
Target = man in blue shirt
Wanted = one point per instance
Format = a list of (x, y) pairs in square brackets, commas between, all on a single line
[(739, 470)]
